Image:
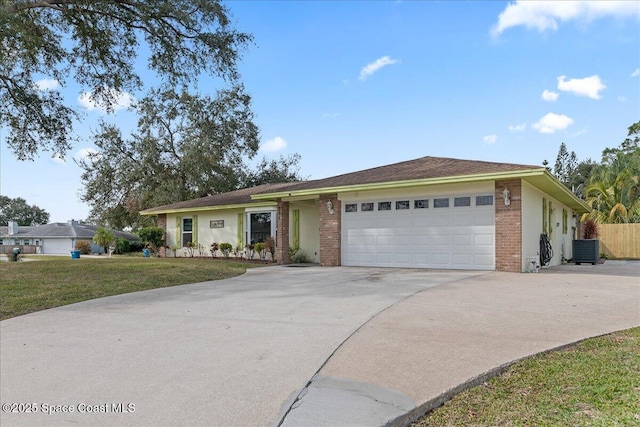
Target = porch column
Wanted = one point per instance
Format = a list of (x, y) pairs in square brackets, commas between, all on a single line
[(282, 237), (330, 230), (509, 226), (162, 223)]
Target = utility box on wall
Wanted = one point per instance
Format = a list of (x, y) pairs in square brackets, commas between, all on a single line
[(586, 250)]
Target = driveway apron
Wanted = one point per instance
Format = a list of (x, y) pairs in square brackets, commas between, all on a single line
[(225, 353)]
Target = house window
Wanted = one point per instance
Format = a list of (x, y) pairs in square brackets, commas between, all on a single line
[(402, 205), (384, 206), (366, 207), (461, 201), (441, 203), (187, 231), (421, 204), (260, 227), (484, 200), (351, 207)]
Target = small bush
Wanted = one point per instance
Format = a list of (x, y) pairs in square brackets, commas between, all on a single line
[(226, 249), (136, 246), (214, 249), (259, 247), (590, 229), (300, 257), (122, 246), (84, 246)]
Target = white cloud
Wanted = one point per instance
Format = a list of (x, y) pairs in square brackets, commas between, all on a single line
[(84, 154), (375, 66), (588, 86), (275, 144), (550, 123), (490, 139), (123, 100), (517, 128), (47, 84), (59, 159), (550, 96), (545, 15), (636, 73)]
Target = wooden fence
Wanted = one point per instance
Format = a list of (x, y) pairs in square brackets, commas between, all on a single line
[(621, 241)]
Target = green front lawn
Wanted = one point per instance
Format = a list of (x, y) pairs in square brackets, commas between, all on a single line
[(594, 383), (31, 286)]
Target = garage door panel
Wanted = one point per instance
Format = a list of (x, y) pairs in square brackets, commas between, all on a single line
[(454, 237)]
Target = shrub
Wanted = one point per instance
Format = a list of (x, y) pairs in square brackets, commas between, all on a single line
[(84, 246), (122, 246), (590, 229), (136, 246), (152, 236), (300, 257), (270, 247), (214, 249), (226, 249), (260, 248), (250, 250)]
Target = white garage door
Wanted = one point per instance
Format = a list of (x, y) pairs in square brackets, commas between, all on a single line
[(456, 232), (56, 246)]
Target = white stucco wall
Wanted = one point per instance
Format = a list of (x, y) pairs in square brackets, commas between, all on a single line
[(532, 226), (309, 228), (206, 234)]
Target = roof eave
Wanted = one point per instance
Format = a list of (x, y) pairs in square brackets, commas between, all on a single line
[(151, 212), (400, 184)]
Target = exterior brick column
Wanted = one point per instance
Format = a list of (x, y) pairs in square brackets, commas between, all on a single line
[(162, 223), (282, 238), (509, 226), (330, 231)]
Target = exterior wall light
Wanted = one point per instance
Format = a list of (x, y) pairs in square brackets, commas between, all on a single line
[(330, 207), (506, 195)]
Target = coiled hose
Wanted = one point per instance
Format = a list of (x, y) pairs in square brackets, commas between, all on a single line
[(546, 251)]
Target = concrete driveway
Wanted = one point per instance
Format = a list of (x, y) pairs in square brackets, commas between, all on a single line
[(295, 346)]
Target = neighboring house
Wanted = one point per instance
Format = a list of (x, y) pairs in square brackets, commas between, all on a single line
[(429, 212), (54, 238)]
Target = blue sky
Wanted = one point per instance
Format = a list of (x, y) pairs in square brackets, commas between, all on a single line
[(353, 85)]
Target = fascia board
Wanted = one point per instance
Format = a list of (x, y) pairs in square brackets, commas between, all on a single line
[(150, 212), (400, 184)]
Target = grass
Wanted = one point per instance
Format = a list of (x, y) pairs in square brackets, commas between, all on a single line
[(50, 282), (594, 383)]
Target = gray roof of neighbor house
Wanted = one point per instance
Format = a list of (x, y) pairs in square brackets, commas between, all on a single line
[(71, 230), (422, 171)]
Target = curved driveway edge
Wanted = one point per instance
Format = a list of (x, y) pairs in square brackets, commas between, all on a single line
[(224, 353), (414, 354)]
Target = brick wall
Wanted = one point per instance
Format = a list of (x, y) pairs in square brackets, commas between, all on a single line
[(330, 231), (509, 226), (162, 223), (282, 249)]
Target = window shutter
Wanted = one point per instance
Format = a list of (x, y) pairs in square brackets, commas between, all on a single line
[(296, 228), (240, 230), (194, 235), (544, 215), (179, 230)]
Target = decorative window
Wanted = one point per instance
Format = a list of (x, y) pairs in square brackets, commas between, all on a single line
[(461, 201), (351, 207), (565, 221), (402, 205), (187, 231), (421, 204), (484, 200), (366, 207), (441, 203), (384, 206)]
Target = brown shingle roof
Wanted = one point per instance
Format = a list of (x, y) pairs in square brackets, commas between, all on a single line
[(237, 197), (422, 168)]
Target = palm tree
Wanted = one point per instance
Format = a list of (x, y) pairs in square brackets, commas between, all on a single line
[(103, 237), (616, 202)]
